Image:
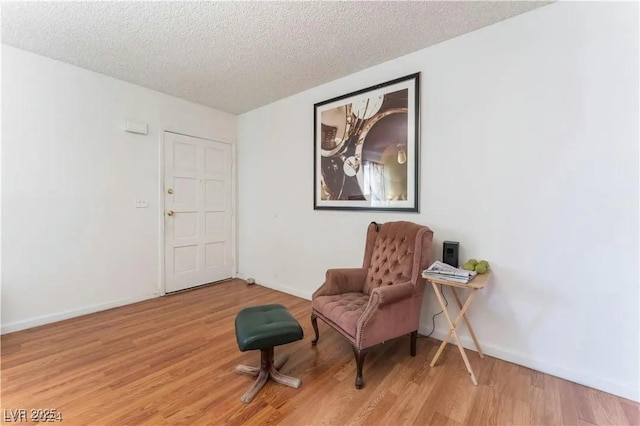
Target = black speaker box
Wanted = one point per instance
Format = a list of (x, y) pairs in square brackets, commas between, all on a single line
[(450, 250)]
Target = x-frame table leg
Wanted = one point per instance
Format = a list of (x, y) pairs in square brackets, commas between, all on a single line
[(466, 321), (452, 328)]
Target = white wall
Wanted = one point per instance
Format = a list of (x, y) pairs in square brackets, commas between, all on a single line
[(73, 242), (529, 158)]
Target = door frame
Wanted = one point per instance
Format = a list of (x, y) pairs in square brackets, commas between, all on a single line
[(162, 284)]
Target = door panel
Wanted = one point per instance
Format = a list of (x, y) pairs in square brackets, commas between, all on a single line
[(214, 254), (185, 225), (214, 194), (198, 228), (215, 223), (184, 157), (185, 191), (214, 160), (185, 259)]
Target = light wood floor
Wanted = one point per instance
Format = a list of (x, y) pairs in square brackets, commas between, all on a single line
[(170, 361)]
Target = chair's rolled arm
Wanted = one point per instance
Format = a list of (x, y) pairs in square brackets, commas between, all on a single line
[(343, 280), (392, 293)]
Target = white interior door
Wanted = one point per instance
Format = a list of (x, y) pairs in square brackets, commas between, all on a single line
[(197, 221)]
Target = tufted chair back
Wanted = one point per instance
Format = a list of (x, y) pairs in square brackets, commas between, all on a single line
[(390, 254)]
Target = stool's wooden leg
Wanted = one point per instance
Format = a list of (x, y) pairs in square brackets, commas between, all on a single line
[(284, 379), (266, 364), (268, 368), (257, 385), (280, 361), (247, 369), (253, 371), (314, 323)]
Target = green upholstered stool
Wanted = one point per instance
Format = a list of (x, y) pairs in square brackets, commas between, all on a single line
[(263, 327)]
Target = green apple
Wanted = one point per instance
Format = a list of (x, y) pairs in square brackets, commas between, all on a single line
[(481, 268)]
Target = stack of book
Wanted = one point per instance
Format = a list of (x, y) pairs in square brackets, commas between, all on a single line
[(447, 272)]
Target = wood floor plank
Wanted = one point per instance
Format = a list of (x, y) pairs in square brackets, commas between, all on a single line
[(546, 407), (632, 411), (170, 361), (441, 420)]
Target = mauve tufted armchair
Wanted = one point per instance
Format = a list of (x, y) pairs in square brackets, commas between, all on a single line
[(381, 300)]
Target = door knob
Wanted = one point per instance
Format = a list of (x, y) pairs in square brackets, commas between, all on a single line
[(169, 191), (170, 213)]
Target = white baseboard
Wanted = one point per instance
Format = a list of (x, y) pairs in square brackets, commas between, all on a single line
[(284, 289), (48, 319), (289, 290), (621, 389)]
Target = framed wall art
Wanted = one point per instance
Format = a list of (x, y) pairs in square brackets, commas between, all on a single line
[(366, 148)]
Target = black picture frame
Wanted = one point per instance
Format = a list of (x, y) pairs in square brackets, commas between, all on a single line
[(366, 148)]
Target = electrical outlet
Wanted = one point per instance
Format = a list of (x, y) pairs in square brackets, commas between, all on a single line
[(142, 204)]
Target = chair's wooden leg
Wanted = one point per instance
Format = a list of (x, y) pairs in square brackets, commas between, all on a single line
[(359, 354), (314, 323), (414, 338)]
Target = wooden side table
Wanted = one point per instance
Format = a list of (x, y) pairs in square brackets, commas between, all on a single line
[(478, 282)]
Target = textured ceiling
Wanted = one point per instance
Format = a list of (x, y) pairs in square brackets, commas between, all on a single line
[(237, 56)]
